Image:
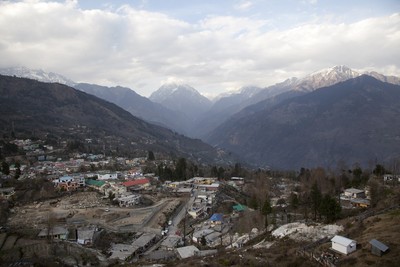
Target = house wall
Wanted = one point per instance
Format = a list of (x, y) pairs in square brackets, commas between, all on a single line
[(351, 248), (340, 248), (376, 251)]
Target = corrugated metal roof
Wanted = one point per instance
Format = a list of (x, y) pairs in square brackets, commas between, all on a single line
[(342, 240), (382, 247), (95, 182), (216, 217), (186, 252), (353, 190)]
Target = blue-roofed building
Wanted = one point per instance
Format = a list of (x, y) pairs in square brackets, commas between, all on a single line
[(217, 218)]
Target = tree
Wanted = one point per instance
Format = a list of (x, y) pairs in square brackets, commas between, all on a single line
[(253, 203), (214, 171), (150, 155), (330, 208), (266, 210), (294, 201), (377, 192), (221, 172), (17, 170), (379, 170), (237, 170), (316, 197), (5, 168), (180, 169)]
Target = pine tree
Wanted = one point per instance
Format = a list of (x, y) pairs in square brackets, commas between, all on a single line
[(266, 210), (316, 197), (150, 155), (5, 168)]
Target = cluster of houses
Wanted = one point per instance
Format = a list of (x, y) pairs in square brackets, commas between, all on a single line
[(126, 252), (210, 232), (83, 236), (53, 166), (108, 184), (353, 197)]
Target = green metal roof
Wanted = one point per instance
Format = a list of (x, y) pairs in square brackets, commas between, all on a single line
[(239, 207), (94, 182)]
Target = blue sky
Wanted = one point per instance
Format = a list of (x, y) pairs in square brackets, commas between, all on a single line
[(215, 46)]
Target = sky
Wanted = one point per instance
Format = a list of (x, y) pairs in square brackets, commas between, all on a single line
[(214, 46)]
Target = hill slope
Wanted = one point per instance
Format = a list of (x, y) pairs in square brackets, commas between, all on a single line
[(38, 108), (183, 99), (355, 121), (136, 104)]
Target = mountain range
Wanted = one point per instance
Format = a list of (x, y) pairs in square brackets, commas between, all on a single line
[(29, 107), (137, 105), (355, 121), (254, 121)]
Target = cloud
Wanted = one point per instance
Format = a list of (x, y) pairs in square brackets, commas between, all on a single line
[(140, 49), (243, 5)]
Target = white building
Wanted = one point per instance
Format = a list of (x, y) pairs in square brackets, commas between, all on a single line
[(343, 245), (107, 176)]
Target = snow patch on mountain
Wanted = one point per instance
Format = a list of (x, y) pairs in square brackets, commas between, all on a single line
[(326, 77), (37, 74)]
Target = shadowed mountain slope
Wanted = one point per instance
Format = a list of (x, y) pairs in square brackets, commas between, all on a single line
[(355, 121)]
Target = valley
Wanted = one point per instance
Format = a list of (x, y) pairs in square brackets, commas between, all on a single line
[(85, 182)]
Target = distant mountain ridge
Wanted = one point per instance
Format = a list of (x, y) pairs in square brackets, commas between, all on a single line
[(42, 109), (137, 105), (182, 108), (36, 74), (240, 104), (181, 98), (355, 121)]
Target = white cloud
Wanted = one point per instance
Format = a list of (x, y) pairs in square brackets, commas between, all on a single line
[(140, 49), (243, 5)]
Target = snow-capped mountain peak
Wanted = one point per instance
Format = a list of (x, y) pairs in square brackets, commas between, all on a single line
[(181, 98), (37, 74), (170, 89), (326, 77)]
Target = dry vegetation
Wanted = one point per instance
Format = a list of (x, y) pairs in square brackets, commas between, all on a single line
[(385, 228)]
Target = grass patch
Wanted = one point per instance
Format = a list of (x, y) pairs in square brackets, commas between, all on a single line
[(395, 213)]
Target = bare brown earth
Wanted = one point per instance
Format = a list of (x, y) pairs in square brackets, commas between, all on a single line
[(90, 208), (386, 229)]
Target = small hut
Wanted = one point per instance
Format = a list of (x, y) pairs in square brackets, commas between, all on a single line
[(378, 248)]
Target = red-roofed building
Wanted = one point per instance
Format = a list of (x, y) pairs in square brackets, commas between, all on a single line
[(137, 183)]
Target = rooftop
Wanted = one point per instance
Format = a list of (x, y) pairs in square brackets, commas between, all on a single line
[(354, 190), (136, 182), (342, 240), (382, 247), (186, 252)]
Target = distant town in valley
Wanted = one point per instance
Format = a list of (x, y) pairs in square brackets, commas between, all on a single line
[(150, 133), (63, 206)]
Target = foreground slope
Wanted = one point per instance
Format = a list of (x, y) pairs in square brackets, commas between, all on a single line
[(35, 108), (353, 121)]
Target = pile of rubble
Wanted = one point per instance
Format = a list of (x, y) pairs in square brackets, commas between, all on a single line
[(302, 232)]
